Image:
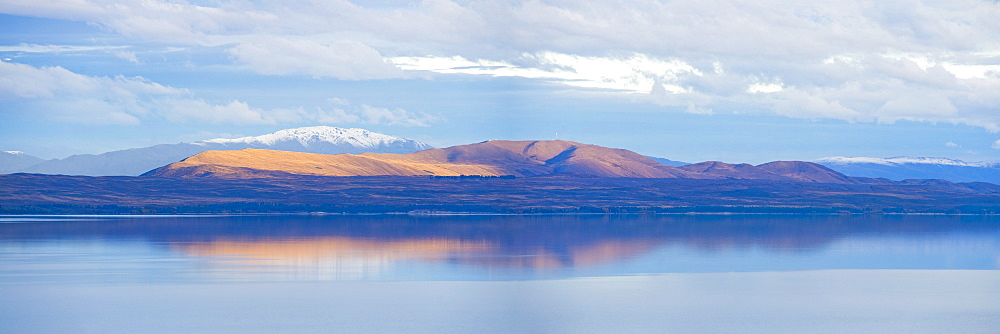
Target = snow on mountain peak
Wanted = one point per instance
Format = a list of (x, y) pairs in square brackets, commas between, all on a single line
[(903, 160), (307, 135), (14, 152)]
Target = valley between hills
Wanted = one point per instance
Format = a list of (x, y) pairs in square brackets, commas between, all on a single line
[(490, 177)]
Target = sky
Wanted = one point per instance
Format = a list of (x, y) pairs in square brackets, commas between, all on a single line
[(730, 80)]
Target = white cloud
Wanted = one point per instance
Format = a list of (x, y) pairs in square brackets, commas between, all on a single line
[(128, 56), (57, 94), (36, 48), (967, 71), (634, 73), (344, 59), (952, 144), (859, 61), (66, 96), (344, 112), (996, 144), (757, 88), (693, 109), (183, 110), (377, 115)]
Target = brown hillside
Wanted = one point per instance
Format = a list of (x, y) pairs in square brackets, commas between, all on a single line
[(233, 163), (490, 158), (530, 158), (717, 169)]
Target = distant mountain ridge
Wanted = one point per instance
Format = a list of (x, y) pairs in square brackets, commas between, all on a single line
[(907, 160), (558, 177), (775, 171), (333, 140), (902, 168), (316, 139), (12, 161), (490, 158)]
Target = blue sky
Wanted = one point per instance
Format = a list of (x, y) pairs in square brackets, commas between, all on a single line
[(737, 81)]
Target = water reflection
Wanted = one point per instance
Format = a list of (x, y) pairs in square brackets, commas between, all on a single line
[(265, 248), (328, 257), (358, 258)]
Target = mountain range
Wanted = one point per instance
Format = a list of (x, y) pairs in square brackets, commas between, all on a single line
[(499, 176), (332, 140), (901, 168), (13, 161), (132, 162), (489, 158)]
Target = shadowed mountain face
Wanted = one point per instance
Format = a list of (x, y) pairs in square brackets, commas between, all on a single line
[(12, 161), (799, 171), (490, 158), (497, 158), (729, 171), (805, 171)]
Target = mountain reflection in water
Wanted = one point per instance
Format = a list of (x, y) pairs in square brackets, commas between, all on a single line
[(340, 257), (400, 247)]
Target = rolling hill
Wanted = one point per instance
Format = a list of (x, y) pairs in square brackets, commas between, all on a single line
[(489, 158)]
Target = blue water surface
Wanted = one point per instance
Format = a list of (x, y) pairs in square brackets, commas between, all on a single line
[(500, 273)]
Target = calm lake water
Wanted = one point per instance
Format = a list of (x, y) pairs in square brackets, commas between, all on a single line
[(486, 274)]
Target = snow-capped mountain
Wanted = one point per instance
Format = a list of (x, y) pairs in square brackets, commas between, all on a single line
[(12, 161), (317, 139), (906, 160), (901, 168), (323, 139)]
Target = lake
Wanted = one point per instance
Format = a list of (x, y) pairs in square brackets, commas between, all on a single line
[(500, 274)]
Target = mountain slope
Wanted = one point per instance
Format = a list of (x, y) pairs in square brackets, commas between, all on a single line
[(730, 171), (13, 161), (530, 158), (261, 163), (798, 171), (805, 171), (490, 158), (317, 139), (901, 168)]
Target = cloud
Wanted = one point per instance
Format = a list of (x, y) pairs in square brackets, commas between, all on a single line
[(633, 73), (764, 88), (66, 96), (858, 61), (128, 56), (377, 115), (57, 94), (996, 144), (185, 110), (344, 112), (344, 59), (36, 48), (952, 144)]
